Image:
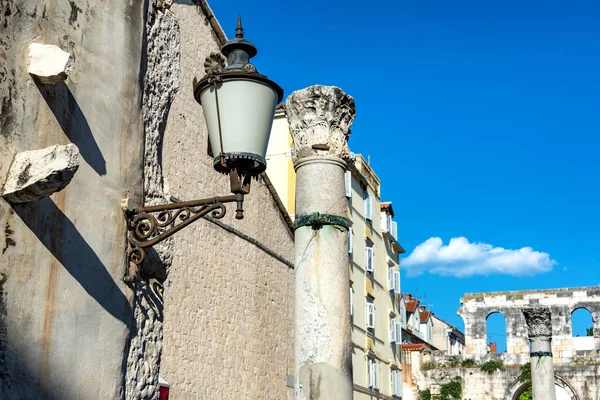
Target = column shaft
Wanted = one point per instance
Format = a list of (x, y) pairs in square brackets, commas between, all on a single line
[(539, 324), (320, 118)]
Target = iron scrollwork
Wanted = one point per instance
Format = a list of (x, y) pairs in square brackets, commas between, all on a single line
[(150, 225)]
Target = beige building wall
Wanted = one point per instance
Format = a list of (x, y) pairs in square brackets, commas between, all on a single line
[(228, 299), (371, 345), (280, 168)]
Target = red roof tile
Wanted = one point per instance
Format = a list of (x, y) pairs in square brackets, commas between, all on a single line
[(413, 346)]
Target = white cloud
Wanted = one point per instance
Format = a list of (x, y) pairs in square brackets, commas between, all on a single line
[(461, 258)]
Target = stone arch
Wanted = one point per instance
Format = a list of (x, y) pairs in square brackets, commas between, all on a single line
[(577, 308), (514, 391), (500, 338)]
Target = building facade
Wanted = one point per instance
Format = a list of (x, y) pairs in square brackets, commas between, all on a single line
[(374, 251), (213, 310)]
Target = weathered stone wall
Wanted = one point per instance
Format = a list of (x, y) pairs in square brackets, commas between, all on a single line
[(65, 313), (562, 302), (579, 382), (228, 303)]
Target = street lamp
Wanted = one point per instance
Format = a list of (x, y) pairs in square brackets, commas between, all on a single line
[(239, 106)]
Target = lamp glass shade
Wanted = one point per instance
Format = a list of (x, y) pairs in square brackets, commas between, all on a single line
[(246, 109)]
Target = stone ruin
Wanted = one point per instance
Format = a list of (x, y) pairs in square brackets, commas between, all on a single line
[(477, 307), (576, 359)]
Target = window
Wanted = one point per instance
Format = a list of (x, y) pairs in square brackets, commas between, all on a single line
[(373, 374), (394, 229), (348, 183), (370, 315), (391, 280), (386, 220), (398, 328), (396, 383), (396, 282), (393, 338), (368, 206), (350, 240), (369, 258)]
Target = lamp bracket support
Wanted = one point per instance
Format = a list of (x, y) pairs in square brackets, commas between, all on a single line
[(149, 225)]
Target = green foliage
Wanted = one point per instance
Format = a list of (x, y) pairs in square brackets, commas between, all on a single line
[(425, 394), (525, 375), (427, 365), (491, 366), (526, 395), (589, 331), (451, 391), (468, 363), (454, 363)]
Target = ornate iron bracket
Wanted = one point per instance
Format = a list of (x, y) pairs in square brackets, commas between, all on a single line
[(149, 225), (317, 220)]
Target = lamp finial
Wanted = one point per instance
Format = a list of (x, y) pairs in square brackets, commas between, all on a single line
[(239, 31)]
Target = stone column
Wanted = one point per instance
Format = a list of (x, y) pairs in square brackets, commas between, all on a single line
[(319, 119), (539, 324)]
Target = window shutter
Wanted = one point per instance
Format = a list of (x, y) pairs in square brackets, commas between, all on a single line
[(370, 377), (394, 229), (369, 207), (396, 281), (370, 315), (351, 301), (392, 331), (391, 281), (369, 253), (376, 383), (350, 240), (398, 333), (348, 183), (398, 383)]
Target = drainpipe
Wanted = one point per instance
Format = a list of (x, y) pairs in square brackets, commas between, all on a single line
[(539, 324), (319, 119)]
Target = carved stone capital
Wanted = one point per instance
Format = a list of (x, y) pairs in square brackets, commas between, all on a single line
[(539, 321), (320, 119)]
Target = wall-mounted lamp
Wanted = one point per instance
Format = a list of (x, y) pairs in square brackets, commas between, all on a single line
[(239, 106)]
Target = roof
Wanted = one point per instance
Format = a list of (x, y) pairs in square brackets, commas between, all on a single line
[(387, 207), (413, 346), (425, 316), (411, 304)]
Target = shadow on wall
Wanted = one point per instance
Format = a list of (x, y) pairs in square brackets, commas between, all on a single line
[(74, 123), (21, 382), (60, 236)]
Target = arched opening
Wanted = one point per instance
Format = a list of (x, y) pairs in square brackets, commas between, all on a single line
[(582, 326), (495, 328), (563, 391)]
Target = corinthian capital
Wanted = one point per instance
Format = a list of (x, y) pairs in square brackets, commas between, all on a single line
[(320, 119), (539, 321)]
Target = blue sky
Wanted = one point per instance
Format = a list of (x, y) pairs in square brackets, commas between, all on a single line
[(481, 118)]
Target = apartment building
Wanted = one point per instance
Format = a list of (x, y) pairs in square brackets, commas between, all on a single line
[(374, 286), (373, 249)]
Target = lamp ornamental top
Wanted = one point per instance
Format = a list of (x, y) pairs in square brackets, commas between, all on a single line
[(239, 51)]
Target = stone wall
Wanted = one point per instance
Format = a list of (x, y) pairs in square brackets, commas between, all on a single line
[(228, 316), (477, 307), (65, 313), (574, 382), (214, 310)]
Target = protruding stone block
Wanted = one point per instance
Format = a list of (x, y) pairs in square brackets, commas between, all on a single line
[(40, 173), (49, 63)]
